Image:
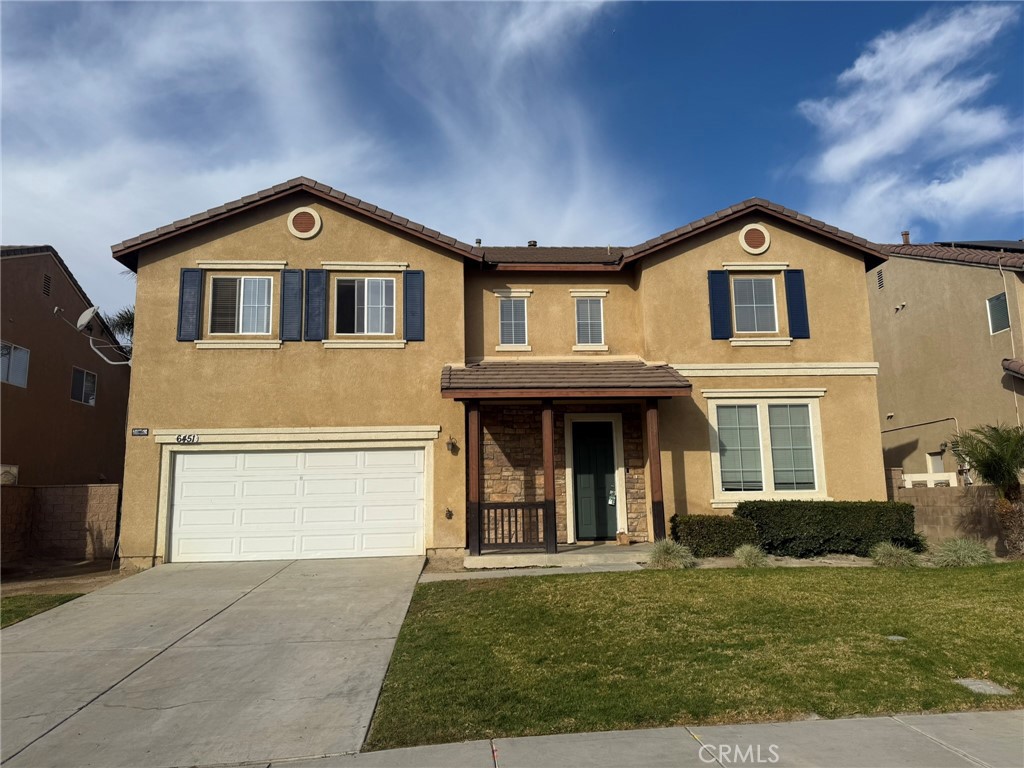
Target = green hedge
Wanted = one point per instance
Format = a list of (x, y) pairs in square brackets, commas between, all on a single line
[(810, 528), (713, 535)]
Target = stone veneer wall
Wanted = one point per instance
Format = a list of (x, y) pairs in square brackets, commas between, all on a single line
[(513, 468), (72, 522)]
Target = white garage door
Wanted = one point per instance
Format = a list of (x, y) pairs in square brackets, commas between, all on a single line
[(296, 504)]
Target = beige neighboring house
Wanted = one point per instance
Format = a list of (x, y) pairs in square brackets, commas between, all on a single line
[(947, 325), (317, 377)]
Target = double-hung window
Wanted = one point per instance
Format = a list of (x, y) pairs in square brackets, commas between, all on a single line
[(755, 305), (998, 314), (766, 449), (512, 322), (589, 321), (365, 306), (13, 364), (83, 386), (240, 305)]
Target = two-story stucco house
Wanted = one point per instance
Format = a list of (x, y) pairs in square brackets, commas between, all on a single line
[(948, 335), (323, 378)]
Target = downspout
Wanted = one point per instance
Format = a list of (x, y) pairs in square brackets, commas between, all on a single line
[(1013, 344)]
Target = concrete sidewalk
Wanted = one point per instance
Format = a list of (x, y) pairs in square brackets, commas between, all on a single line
[(969, 739)]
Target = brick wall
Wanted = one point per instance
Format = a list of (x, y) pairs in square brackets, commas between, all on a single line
[(69, 522), (513, 459)]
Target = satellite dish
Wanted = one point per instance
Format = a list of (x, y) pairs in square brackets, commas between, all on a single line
[(86, 317)]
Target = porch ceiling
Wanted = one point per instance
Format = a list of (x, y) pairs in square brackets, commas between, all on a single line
[(492, 380)]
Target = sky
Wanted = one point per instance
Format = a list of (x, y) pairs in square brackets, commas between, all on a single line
[(565, 123)]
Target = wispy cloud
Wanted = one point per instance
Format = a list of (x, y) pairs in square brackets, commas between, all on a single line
[(120, 118), (907, 139)]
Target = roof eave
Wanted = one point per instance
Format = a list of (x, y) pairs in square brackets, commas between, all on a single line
[(562, 393)]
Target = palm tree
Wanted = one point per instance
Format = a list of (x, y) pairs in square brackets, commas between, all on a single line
[(996, 454), (122, 323)]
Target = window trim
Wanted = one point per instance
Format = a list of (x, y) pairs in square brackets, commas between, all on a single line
[(722, 499), (241, 292), (775, 308), (513, 347), (95, 390), (338, 336), (581, 345), (28, 352), (988, 309)]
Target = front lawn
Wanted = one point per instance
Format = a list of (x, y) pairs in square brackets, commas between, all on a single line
[(556, 654), (20, 607)]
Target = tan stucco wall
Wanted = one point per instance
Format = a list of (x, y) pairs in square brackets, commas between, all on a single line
[(177, 386), (51, 438), (937, 357)]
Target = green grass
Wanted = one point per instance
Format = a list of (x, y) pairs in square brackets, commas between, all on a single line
[(557, 654), (20, 607)]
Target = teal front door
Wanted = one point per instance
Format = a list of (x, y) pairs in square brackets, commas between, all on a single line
[(593, 461)]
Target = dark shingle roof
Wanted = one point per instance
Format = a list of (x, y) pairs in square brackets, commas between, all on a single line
[(527, 379), (979, 257), (1014, 366)]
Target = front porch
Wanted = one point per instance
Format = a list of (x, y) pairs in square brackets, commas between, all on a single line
[(562, 454)]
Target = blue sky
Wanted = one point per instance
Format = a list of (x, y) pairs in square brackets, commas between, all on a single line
[(565, 123)]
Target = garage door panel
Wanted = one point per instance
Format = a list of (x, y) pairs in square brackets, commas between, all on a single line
[(295, 504)]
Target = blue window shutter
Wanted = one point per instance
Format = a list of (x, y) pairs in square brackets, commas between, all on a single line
[(413, 319), (316, 304), (721, 304), (291, 305), (190, 304), (796, 304)]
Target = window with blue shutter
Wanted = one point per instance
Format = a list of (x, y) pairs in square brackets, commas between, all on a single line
[(721, 304), (316, 304), (796, 304), (190, 302), (291, 305), (413, 319)]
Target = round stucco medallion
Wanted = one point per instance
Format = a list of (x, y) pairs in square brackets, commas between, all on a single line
[(304, 223), (754, 239)]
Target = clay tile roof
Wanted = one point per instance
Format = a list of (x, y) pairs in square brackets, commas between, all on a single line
[(125, 251), (581, 254), (957, 253), (507, 379), (1014, 366)]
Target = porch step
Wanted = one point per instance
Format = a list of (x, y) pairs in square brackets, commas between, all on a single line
[(609, 554)]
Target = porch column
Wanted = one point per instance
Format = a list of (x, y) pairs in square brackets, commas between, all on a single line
[(654, 457), (474, 448), (547, 429)]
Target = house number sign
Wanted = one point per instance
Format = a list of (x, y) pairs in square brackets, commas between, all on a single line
[(186, 439)]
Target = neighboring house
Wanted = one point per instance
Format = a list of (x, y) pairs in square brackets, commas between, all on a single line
[(320, 377), (946, 319), (63, 407)]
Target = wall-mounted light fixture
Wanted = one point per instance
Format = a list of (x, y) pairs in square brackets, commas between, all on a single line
[(452, 445)]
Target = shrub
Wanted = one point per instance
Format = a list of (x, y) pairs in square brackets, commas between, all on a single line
[(713, 535), (668, 554), (889, 555), (960, 553), (751, 556), (810, 528)]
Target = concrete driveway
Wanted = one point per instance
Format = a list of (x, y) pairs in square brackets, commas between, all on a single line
[(203, 664)]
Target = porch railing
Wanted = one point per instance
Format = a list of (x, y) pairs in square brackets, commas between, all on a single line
[(512, 524)]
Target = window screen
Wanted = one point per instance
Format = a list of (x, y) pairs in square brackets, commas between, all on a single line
[(998, 314), (512, 321), (739, 448), (588, 322), (792, 453), (755, 304), (14, 364), (83, 386)]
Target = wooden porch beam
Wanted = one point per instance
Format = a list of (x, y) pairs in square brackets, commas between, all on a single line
[(654, 459), (547, 428), (474, 453)]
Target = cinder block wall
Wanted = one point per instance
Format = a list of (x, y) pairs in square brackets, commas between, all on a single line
[(69, 522), (947, 513)]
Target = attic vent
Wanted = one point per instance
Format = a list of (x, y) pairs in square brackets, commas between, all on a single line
[(47, 281), (304, 223), (754, 239), (881, 279)]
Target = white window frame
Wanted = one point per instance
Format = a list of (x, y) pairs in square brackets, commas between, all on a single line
[(241, 294), (95, 386), (988, 307), (581, 345), (525, 346), (366, 307), (775, 305), (28, 361), (722, 499)]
